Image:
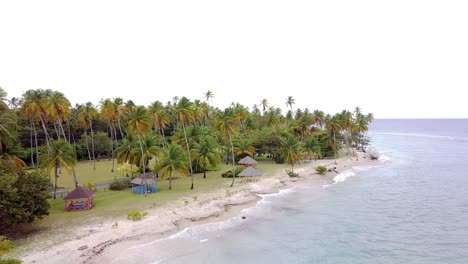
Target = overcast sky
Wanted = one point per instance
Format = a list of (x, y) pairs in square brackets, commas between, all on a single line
[(393, 58)]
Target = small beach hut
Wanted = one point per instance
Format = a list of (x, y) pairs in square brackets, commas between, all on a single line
[(247, 161), (79, 199), (250, 172), (142, 181)]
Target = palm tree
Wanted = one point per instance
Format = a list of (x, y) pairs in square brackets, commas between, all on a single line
[(312, 146), (87, 114), (57, 107), (207, 154), (209, 96), (173, 160), (333, 126), (109, 112), (60, 155), (126, 150), (7, 127), (243, 147), (33, 107), (160, 118), (225, 122), (291, 150), (139, 123), (290, 102), (264, 104), (185, 115), (150, 143)]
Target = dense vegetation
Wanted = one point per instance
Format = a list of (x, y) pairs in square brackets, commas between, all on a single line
[(42, 130)]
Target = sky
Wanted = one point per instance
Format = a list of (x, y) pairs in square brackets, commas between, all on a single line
[(396, 59)]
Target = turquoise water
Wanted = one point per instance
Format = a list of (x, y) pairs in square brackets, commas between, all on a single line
[(411, 208)]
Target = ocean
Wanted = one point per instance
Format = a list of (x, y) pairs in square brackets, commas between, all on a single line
[(412, 207)]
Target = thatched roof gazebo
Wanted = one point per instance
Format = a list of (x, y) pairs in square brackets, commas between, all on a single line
[(79, 199), (142, 181), (247, 161), (250, 172)]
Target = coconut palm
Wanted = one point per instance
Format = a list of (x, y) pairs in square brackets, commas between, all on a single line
[(160, 118), (185, 115), (225, 122), (139, 123), (173, 160), (333, 126), (126, 150), (264, 104), (151, 147), (33, 107), (60, 155), (57, 107), (7, 127), (110, 113), (207, 153), (291, 150), (209, 96), (87, 114), (243, 147), (312, 146), (290, 101)]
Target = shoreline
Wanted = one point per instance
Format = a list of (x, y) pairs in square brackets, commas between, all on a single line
[(104, 245)]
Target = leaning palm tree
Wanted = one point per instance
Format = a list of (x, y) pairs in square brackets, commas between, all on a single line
[(207, 153), (173, 160), (291, 150), (139, 123), (225, 123), (60, 155), (87, 114), (185, 115), (209, 96)]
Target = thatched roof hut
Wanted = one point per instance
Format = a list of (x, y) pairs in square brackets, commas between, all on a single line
[(250, 172), (247, 161)]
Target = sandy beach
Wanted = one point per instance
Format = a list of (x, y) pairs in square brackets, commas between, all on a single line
[(102, 242)]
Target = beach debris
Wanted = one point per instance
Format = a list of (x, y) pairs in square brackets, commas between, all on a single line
[(244, 217), (82, 248)]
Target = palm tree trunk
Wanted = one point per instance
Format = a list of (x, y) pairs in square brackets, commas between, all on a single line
[(92, 145), (144, 165), (120, 127), (170, 180), (163, 137), (233, 162), (56, 131), (59, 121), (87, 145), (112, 138), (188, 152), (45, 131), (31, 142), (68, 128), (35, 142), (56, 177), (334, 143), (74, 177)]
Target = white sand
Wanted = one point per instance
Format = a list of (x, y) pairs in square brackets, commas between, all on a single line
[(106, 241)]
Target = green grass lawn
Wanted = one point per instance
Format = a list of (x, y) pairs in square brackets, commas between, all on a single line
[(118, 203)]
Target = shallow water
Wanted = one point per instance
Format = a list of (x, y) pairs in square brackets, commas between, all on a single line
[(411, 209)]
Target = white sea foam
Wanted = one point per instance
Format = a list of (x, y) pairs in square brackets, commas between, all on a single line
[(414, 135)]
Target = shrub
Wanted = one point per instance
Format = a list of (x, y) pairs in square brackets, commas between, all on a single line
[(228, 174), (136, 215), (292, 174), (321, 169), (6, 247), (118, 185)]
